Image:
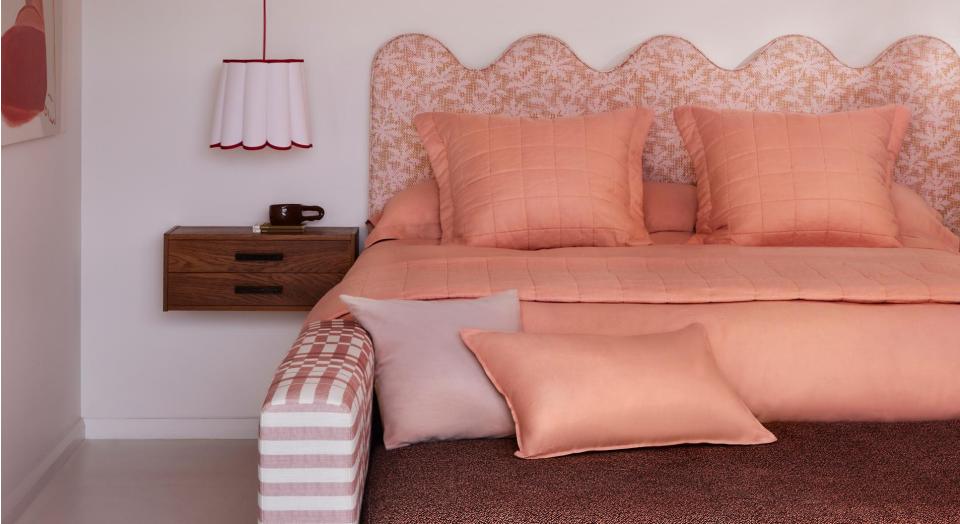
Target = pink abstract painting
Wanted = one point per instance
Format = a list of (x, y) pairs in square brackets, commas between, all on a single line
[(30, 81)]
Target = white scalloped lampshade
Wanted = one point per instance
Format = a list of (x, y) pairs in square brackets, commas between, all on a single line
[(261, 103)]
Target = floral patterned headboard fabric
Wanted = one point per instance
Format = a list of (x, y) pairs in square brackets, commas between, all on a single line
[(539, 76)]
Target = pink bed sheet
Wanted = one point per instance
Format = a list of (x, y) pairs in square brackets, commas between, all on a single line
[(818, 334)]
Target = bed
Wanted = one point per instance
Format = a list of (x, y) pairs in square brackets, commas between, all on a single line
[(806, 336)]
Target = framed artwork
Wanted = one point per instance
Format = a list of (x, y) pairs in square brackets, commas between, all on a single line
[(30, 90)]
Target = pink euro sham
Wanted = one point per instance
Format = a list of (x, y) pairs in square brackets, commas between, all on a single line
[(413, 213), (795, 179), (920, 225), (524, 183), (669, 207), (575, 393)]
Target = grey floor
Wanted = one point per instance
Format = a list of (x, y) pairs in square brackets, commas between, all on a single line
[(151, 481)]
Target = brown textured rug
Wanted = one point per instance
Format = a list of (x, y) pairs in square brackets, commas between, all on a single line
[(815, 473)]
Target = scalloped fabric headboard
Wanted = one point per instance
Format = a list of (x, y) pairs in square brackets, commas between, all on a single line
[(539, 76)]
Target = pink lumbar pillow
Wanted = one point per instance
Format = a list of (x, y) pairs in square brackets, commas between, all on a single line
[(413, 213), (429, 386), (794, 178), (575, 393), (525, 183)]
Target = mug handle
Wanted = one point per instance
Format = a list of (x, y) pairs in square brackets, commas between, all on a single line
[(318, 209)]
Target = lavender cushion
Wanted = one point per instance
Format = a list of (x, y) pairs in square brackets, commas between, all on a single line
[(429, 385)]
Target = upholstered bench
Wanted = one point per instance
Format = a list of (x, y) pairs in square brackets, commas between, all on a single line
[(315, 427)]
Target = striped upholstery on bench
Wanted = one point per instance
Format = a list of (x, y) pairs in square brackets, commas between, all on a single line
[(315, 427)]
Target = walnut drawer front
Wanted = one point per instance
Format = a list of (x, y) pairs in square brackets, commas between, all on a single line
[(230, 268), (248, 290), (261, 256)]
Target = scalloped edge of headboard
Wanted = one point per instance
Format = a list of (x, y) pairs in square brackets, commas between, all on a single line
[(743, 64)]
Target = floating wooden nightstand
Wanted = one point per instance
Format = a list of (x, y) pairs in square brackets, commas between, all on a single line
[(233, 269)]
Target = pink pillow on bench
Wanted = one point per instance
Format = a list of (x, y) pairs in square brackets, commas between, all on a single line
[(524, 183), (575, 393), (429, 386)]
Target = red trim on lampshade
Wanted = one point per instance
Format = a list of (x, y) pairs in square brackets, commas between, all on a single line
[(261, 146), (262, 60)]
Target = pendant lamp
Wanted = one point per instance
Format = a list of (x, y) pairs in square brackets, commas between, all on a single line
[(261, 103)]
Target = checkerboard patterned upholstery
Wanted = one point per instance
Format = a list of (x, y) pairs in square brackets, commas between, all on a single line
[(315, 427)]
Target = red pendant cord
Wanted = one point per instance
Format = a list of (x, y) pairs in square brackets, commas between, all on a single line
[(264, 29)]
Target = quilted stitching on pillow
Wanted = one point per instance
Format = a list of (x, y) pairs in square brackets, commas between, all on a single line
[(794, 178), (525, 183)]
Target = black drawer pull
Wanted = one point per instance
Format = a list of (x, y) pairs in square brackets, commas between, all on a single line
[(258, 257), (258, 290)]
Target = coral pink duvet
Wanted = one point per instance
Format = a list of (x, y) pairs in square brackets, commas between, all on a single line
[(801, 333)]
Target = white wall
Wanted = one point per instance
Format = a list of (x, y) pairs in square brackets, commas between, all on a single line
[(41, 288), (149, 74)]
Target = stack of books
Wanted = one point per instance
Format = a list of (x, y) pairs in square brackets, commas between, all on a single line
[(269, 229)]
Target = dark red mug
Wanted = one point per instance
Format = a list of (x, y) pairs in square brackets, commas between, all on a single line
[(292, 214)]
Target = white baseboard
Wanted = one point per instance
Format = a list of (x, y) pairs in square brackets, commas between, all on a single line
[(172, 428), (20, 498)]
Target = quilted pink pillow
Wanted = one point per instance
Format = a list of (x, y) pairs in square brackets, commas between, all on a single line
[(524, 183), (795, 178)]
